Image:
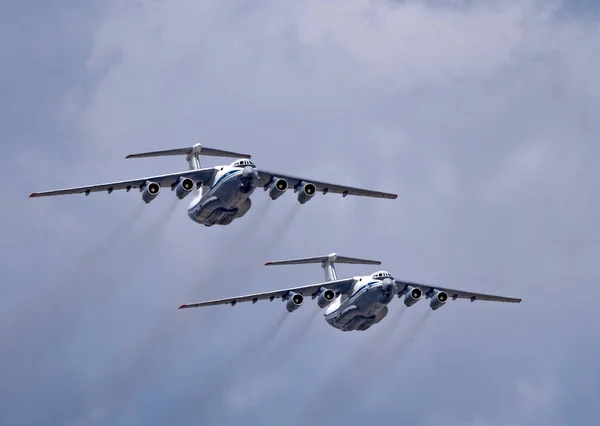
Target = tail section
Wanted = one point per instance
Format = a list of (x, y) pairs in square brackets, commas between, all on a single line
[(192, 154), (327, 263)]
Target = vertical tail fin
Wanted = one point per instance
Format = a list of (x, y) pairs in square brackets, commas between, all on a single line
[(192, 154), (327, 263)]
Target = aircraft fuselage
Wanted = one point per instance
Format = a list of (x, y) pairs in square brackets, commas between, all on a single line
[(225, 198), (364, 307)]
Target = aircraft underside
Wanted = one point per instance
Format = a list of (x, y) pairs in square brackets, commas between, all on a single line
[(215, 212), (365, 310), (231, 201), (352, 318)]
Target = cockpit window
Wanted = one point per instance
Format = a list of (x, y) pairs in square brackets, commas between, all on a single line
[(243, 163), (382, 275)]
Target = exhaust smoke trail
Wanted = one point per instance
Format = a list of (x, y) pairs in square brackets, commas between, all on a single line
[(375, 341), (386, 335), (165, 333), (145, 240), (297, 334), (261, 211), (282, 229), (270, 333), (391, 347), (286, 349), (256, 220), (160, 344), (246, 241), (396, 319), (343, 377), (259, 345), (250, 266), (348, 377), (393, 356), (210, 394), (400, 346), (275, 233), (52, 301), (114, 238), (250, 353), (221, 260), (92, 259), (106, 280)]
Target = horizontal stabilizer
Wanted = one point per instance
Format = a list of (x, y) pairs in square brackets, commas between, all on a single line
[(191, 150), (332, 258)]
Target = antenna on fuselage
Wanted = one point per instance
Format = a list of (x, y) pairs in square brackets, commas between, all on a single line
[(192, 154), (327, 263)]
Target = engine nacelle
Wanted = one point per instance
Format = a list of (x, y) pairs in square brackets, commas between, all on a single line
[(412, 295), (294, 301), (306, 191), (325, 297), (277, 187), (184, 187), (150, 191), (438, 300)]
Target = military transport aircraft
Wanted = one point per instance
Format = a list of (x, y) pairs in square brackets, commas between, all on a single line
[(221, 193), (355, 303)]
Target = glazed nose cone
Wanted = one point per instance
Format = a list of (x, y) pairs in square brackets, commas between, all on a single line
[(387, 289), (250, 172)]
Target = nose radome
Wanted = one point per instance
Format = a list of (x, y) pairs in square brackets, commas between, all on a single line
[(249, 172), (388, 285), (388, 282)]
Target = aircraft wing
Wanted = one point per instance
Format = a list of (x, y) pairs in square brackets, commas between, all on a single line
[(201, 176), (339, 286), (457, 294), (264, 177)]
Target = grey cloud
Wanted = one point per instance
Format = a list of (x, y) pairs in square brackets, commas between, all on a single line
[(482, 118)]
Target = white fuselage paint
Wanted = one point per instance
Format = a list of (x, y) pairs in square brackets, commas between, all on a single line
[(363, 305), (225, 198)]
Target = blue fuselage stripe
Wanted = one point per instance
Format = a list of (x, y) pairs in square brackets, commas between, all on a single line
[(349, 300), (223, 177), (214, 188)]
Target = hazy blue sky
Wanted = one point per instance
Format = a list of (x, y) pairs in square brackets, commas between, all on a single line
[(481, 115)]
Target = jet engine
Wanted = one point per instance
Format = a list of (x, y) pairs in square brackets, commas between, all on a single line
[(438, 300), (294, 301), (184, 187), (306, 191), (150, 191), (276, 188), (412, 295), (325, 297)]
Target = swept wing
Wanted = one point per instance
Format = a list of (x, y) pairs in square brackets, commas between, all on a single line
[(339, 286), (456, 294), (199, 176), (266, 176)]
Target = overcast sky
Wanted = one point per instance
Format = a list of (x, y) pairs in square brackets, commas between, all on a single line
[(481, 115)]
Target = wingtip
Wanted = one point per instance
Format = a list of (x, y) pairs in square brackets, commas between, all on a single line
[(268, 263), (33, 195), (181, 307), (128, 156)]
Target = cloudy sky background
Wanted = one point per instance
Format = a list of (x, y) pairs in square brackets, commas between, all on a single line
[(481, 115)]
